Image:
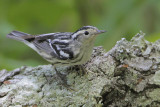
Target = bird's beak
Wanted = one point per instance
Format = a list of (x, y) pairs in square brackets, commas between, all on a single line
[(101, 31)]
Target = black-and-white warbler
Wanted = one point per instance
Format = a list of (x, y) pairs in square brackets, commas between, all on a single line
[(61, 48)]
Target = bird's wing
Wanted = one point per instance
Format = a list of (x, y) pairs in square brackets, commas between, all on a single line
[(54, 44)]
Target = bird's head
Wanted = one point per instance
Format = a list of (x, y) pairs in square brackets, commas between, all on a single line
[(86, 33)]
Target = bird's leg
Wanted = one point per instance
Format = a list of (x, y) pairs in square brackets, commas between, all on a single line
[(79, 68), (82, 70), (62, 77)]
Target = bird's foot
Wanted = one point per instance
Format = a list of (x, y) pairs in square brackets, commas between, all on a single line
[(63, 80), (79, 68)]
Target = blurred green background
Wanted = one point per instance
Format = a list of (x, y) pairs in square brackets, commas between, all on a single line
[(121, 18)]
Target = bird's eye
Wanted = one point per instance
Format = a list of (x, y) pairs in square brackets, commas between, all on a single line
[(86, 32)]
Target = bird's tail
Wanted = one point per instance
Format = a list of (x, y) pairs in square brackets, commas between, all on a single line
[(23, 37), (20, 36)]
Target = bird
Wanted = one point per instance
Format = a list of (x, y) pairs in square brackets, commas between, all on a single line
[(62, 48)]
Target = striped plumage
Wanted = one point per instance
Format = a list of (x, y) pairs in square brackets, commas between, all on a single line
[(61, 48)]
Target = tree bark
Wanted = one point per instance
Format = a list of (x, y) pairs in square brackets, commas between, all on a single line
[(126, 76)]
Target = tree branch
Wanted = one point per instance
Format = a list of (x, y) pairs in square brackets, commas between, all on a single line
[(127, 75)]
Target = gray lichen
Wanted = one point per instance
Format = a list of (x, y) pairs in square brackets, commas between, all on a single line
[(127, 75)]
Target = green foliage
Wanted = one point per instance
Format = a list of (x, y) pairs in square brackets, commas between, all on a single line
[(122, 18)]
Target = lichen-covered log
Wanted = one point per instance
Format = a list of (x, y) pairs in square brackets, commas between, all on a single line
[(127, 75)]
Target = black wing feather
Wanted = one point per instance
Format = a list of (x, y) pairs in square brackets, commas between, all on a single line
[(48, 43)]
